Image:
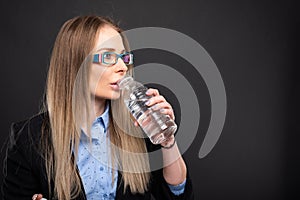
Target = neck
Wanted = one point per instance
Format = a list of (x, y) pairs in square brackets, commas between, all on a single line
[(97, 109), (99, 106)]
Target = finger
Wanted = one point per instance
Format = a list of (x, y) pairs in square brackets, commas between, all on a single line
[(152, 92), (136, 123), (39, 197), (34, 196), (161, 105), (168, 112), (155, 100), (164, 108)]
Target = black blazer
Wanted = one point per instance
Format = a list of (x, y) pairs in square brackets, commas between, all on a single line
[(25, 174)]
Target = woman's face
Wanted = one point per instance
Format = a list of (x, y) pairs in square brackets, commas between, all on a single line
[(103, 77)]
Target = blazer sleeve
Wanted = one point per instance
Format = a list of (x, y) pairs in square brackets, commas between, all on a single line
[(20, 179), (159, 188)]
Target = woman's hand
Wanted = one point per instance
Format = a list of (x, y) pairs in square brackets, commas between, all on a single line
[(158, 102), (38, 197)]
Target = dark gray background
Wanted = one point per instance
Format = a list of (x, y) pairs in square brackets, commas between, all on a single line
[(253, 43)]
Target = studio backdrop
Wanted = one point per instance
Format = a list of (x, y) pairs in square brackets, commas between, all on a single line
[(232, 81)]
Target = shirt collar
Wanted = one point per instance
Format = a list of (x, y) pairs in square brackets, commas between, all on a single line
[(102, 120)]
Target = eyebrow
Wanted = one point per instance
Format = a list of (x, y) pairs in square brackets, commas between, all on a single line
[(109, 49)]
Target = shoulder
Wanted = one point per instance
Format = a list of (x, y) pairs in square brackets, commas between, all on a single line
[(24, 142), (33, 122), (24, 170), (27, 131)]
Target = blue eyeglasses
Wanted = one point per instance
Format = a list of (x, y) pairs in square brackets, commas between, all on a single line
[(111, 58)]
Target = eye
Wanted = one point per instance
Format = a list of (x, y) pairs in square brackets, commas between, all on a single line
[(107, 56)]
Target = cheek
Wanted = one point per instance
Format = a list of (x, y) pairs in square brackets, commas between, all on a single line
[(100, 83), (97, 79)]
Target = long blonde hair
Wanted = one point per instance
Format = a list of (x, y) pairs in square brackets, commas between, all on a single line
[(61, 135)]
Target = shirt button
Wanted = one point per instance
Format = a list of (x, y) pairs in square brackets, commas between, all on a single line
[(105, 195), (101, 168)]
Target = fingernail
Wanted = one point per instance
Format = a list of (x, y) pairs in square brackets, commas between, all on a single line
[(147, 102), (155, 107), (162, 110), (147, 92)]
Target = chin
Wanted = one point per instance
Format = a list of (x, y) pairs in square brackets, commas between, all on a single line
[(113, 96), (116, 96)]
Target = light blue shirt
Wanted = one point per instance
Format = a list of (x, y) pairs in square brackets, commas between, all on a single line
[(94, 163)]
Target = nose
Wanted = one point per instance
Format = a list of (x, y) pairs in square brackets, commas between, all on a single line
[(120, 66)]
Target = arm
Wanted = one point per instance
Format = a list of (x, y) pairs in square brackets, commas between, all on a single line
[(161, 189), (174, 167), (174, 172)]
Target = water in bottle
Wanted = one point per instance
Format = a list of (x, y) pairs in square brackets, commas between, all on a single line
[(157, 126)]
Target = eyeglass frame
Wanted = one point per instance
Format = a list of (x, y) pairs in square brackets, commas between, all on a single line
[(99, 58)]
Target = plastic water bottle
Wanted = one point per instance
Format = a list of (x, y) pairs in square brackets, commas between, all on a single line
[(157, 126)]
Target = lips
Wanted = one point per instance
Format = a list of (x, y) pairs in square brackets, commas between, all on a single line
[(116, 82), (114, 85)]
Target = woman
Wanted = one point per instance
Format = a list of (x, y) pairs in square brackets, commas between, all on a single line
[(75, 148)]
